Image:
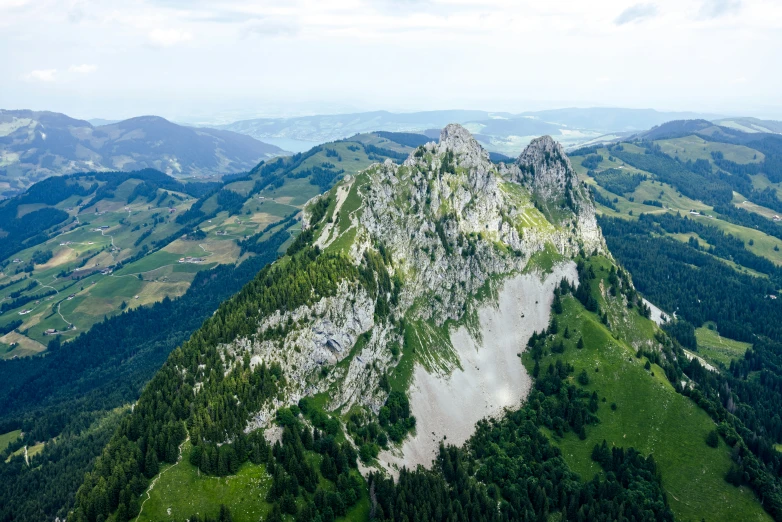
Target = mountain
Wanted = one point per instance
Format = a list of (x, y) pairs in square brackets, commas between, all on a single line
[(752, 125), (140, 259), (497, 131), (612, 119), (97, 122), (35, 145), (446, 312)]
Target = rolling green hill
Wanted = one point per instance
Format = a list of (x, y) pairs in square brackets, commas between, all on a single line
[(126, 240)]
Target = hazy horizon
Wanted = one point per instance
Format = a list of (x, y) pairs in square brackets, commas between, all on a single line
[(195, 62)]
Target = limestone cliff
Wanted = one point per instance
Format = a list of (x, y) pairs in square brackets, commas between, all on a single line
[(445, 230)]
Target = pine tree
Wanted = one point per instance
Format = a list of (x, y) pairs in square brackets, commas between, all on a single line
[(151, 466), (225, 514)]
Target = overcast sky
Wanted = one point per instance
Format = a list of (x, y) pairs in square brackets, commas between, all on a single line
[(193, 60)]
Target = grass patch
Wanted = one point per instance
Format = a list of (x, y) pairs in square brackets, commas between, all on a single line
[(693, 148), (150, 262), (34, 450), (739, 201), (431, 345), (352, 203), (717, 349), (761, 182), (343, 242), (8, 438), (544, 260), (763, 244), (185, 491), (360, 511)]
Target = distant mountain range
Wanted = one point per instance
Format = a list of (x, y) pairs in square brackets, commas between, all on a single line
[(35, 145), (752, 125), (497, 131), (738, 130)]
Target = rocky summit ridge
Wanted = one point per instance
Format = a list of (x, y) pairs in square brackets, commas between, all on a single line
[(436, 232)]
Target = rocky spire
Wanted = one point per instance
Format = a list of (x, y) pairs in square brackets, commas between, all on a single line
[(458, 140), (546, 169)]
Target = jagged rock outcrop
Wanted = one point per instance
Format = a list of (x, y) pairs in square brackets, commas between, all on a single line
[(448, 225), (546, 169), (458, 140)]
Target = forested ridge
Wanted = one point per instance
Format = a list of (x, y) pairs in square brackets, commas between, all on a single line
[(65, 392), (196, 389), (71, 391)]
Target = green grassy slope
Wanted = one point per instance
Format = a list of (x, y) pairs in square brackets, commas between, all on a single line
[(7, 438), (181, 491), (649, 416), (669, 199), (717, 349)]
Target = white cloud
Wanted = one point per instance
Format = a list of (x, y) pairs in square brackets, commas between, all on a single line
[(169, 37), (266, 27), (84, 68), (636, 13), (305, 56), (42, 75), (13, 4), (717, 8)]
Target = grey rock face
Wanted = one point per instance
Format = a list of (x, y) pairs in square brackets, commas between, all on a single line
[(545, 170), (545, 167), (456, 138), (451, 223)]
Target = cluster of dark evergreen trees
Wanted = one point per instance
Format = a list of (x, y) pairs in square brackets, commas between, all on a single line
[(617, 181)]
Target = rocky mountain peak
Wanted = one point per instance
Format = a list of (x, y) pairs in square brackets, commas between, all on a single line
[(458, 140), (543, 143), (546, 169)]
